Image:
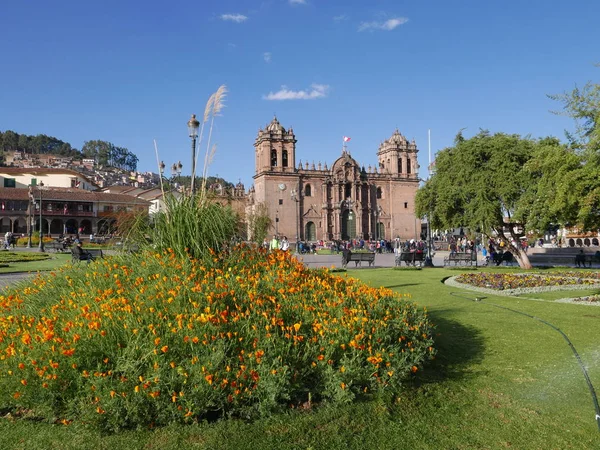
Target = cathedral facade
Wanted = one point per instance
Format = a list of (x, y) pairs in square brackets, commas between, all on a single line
[(338, 202)]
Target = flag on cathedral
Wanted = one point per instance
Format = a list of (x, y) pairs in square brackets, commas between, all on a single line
[(346, 138)]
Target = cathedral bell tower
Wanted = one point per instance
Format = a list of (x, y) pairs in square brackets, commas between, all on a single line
[(275, 149), (398, 157)]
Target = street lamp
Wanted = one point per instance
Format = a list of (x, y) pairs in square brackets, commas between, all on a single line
[(30, 204), (176, 170), (41, 246), (294, 194), (348, 204), (377, 222), (193, 126)]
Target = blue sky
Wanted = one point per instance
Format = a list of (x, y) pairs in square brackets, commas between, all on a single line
[(130, 72)]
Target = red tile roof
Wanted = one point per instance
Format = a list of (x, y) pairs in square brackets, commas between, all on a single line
[(70, 194)]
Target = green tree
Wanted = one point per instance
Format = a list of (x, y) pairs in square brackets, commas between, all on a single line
[(582, 184), (259, 223), (480, 183), (548, 201)]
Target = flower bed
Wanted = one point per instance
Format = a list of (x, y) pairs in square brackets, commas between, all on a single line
[(504, 281), (155, 339)]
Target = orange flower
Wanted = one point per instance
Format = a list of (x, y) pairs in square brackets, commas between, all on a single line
[(165, 348), (414, 369), (24, 382)]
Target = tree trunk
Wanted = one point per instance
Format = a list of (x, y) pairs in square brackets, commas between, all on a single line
[(522, 258)]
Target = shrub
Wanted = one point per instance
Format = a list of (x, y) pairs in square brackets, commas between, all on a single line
[(189, 226), (157, 339)]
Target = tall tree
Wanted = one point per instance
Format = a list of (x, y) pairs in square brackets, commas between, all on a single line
[(582, 193), (481, 183)]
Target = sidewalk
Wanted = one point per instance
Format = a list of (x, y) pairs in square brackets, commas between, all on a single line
[(381, 260)]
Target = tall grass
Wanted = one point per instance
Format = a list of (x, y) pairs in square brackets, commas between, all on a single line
[(192, 227)]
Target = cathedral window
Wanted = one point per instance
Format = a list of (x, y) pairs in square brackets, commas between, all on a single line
[(399, 165), (284, 159), (379, 193), (348, 190), (408, 165), (307, 191), (273, 158)]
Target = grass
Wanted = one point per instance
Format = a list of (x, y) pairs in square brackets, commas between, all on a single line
[(52, 262), (555, 295), (500, 380)]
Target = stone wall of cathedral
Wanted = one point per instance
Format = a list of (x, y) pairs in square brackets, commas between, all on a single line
[(340, 202)]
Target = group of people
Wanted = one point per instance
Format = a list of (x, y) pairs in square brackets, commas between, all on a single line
[(276, 244), (9, 240)]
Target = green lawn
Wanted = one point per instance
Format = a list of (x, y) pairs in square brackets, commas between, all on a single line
[(54, 261), (500, 380), (555, 295)]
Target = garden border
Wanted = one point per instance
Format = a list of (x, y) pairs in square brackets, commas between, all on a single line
[(451, 281)]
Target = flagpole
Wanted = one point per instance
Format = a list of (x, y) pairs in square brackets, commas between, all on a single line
[(343, 146), (429, 144)]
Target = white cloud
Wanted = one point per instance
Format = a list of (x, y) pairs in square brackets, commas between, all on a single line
[(387, 25), (267, 57), (340, 18), (315, 91), (297, 2), (237, 18)]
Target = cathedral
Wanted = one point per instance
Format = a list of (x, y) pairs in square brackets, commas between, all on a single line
[(338, 202)]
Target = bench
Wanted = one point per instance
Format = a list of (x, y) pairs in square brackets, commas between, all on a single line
[(410, 258), (94, 253), (358, 258), (587, 260), (461, 259), (56, 246)]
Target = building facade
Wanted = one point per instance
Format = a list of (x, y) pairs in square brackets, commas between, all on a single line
[(60, 201), (338, 202)]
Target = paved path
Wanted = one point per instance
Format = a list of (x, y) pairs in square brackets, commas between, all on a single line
[(381, 260), (9, 279)]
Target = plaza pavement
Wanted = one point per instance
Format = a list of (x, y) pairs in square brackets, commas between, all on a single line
[(381, 260)]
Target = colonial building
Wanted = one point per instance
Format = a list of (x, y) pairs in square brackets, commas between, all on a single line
[(341, 201), (67, 201)]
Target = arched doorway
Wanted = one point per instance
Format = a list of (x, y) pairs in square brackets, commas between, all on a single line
[(87, 226), (71, 226), (380, 230), (44, 225), (20, 226), (348, 225), (5, 225), (57, 226), (103, 227), (310, 231)]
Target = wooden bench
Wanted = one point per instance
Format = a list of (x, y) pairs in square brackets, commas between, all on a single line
[(461, 259), (56, 246), (587, 260), (358, 258), (94, 253), (410, 258)]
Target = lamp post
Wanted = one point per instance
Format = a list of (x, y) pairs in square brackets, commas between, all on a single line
[(29, 216), (348, 203), (377, 223), (176, 170), (41, 246), (296, 198), (193, 126)]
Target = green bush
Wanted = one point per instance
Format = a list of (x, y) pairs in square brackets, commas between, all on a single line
[(157, 338)]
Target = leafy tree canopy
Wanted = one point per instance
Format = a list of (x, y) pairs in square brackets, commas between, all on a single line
[(486, 183), (581, 193), (107, 154), (11, 141)]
